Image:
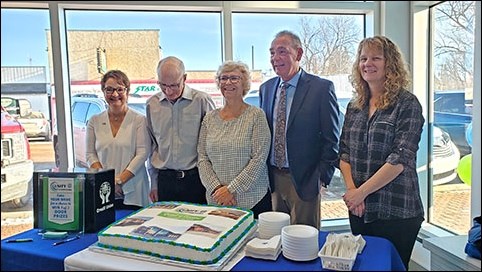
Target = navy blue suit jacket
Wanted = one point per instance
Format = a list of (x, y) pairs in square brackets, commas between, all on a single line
[(312, 134)]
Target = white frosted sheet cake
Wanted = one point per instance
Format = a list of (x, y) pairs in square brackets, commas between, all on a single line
[(184, 232)]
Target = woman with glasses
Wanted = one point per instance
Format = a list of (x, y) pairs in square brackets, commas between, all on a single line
[(233, 146), (117, 138)]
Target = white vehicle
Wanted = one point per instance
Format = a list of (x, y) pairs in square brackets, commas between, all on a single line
[(83, 107), (446, 157), (36, 125)]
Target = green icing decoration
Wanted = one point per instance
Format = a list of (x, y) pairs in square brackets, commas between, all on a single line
[(190, 261)]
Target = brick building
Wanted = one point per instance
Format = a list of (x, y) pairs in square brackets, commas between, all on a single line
[(135, 52)]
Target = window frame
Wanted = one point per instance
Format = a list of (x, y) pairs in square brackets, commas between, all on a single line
[(414, 41)]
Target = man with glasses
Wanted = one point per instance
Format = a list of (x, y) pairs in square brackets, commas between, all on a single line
[(174, 117)]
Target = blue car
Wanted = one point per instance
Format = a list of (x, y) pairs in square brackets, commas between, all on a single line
[(453, 114)]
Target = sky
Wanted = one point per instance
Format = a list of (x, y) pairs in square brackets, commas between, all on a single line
[(194, 37)]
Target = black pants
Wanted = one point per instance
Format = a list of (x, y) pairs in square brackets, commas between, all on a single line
[(182, 186), (264, 205), (119, 205), (402, 233)]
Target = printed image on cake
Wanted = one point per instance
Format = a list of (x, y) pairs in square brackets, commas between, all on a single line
[(154, 232), (230, 213), (133, 221), (204, 230), (184, 232)]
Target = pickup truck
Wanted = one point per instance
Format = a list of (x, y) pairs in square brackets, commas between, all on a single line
[(17, 166)]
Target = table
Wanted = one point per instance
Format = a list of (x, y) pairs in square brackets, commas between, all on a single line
[(41, 254), (379, 254)]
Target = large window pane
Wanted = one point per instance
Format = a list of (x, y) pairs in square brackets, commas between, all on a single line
[(329, 55), (134, 42), (25, 82), (452, 51)]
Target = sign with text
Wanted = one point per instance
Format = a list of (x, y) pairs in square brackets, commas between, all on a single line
[(74, 199), (61, 197)]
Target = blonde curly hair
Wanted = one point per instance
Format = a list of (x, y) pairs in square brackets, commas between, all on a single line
[(396, 73)]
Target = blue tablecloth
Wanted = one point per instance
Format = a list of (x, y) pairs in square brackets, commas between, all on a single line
[(41, 254), (379, 254)]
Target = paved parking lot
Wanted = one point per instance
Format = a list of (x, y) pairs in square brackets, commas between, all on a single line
[(450, 210)]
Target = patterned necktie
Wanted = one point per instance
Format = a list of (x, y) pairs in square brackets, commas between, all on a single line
[(280, 135)]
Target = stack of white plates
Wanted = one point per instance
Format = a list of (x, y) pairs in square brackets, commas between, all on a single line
[(299, 242), (271, 223)]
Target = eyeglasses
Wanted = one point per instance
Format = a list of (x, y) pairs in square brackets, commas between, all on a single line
[(234, 79), (170, 86), (111, 90)]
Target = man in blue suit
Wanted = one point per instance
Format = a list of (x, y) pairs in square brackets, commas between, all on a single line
[(311, 132)]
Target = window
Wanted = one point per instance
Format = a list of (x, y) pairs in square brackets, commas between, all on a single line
[(25, 79), (204, 34), (79, 111), (134, 42), (93, 109), (453, 73), (333, 60)]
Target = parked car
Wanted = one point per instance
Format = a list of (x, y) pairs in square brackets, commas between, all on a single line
[(446, 157), (252, 98), (453, 114), (17, 166), (85, 106), (36, 125), (445, 153)]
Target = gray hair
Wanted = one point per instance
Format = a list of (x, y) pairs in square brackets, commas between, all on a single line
[(294, 38), (171, 60)]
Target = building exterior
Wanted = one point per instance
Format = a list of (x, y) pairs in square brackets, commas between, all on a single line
[(93, 52), (27, 82)]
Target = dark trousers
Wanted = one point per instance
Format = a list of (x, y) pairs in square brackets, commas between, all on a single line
[(185, 186), (402, 233), (264, 205), (119, 205)]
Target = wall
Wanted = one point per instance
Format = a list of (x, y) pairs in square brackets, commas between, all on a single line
[(135, 52)]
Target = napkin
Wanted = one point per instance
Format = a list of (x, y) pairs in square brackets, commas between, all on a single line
[(268, 249), (361, 243), (269, 257), (343, 245)]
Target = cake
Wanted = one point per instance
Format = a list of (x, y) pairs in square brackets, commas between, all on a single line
[(179, 231)]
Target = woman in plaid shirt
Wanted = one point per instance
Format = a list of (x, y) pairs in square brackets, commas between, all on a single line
[(378, 148)]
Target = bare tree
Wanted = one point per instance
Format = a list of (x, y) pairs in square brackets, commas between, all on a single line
[(454, 43), (329, 44)]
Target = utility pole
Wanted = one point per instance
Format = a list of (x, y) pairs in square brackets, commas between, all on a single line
[(252, 57)]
